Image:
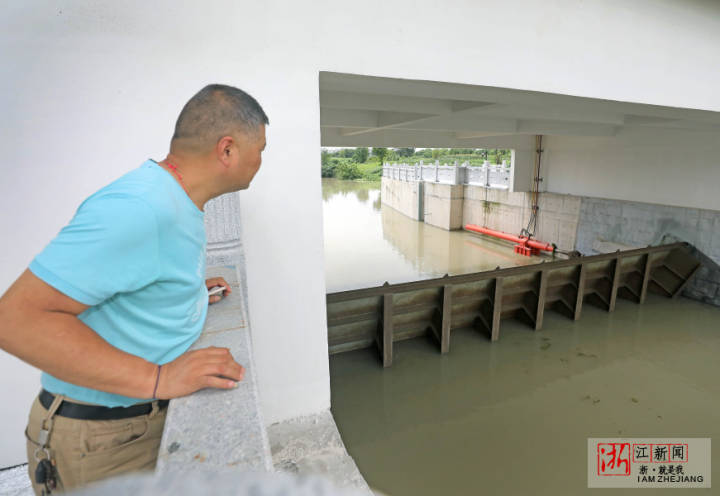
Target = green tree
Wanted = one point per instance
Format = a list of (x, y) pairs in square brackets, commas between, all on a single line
[(346, 153), (325, 158), (380, 153), (361, 155), (328, 170), (436, 152), (405, 152), (348, 171)]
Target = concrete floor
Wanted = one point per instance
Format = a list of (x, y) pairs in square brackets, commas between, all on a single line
[(15, 482), (513, 417)]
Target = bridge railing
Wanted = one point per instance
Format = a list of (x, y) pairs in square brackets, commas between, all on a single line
[(487, 175)]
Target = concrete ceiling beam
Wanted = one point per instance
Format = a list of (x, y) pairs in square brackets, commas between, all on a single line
[(551, 102), (565, 128), (331, 136), (386, 103), (389, 120), (348, 118)]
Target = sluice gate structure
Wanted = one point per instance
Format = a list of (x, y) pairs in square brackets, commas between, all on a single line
[(382, 315)]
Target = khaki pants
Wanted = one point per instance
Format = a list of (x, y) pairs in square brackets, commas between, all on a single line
[(89, 450)]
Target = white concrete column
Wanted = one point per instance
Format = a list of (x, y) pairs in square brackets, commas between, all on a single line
[(521, 170)]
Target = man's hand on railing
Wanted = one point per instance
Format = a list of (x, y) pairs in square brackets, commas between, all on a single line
[(194, 370), (214, 282)]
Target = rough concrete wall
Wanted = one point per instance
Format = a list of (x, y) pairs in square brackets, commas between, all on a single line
[(606, 225), (401, 195), (497, 209), (443, 205), (558, 219), (451, 207), (510, 212)]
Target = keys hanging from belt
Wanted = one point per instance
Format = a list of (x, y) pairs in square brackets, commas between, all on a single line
[(45, 473)]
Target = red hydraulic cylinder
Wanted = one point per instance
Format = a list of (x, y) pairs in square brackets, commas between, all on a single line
[(523, 246)]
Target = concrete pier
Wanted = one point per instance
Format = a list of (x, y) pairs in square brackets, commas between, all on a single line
[(451, 206)]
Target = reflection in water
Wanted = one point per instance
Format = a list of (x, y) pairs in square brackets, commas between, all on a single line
[(362, 195), (359, 189), (367, 243)]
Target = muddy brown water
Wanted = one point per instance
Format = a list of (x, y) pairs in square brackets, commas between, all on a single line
[(367, 243), (513, 417)]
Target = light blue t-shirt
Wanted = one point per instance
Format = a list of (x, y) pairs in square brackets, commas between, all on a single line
[(134, 252)]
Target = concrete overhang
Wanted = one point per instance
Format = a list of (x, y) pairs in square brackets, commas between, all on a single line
[(360, 110)]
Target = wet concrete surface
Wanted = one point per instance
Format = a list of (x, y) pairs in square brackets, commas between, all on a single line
[(513, 417)]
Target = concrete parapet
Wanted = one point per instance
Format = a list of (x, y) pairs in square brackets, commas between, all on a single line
[(223, 230), (312, 445), (494, 176), (219, 432), (215, 429)]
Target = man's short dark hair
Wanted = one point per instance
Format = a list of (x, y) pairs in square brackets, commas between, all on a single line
[(215, 111)]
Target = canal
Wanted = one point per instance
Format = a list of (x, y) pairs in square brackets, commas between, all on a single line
[(514, 416), (367, 243)]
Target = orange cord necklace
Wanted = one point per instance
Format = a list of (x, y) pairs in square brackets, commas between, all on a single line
[(174, 170)]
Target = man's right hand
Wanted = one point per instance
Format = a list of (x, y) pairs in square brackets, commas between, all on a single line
[(205, 368), (39, 325)]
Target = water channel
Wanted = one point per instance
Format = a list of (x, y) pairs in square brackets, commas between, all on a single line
[(367, 243), (514, 416)]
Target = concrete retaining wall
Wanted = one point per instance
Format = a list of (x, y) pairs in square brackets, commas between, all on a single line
[(443, 205), (402, 196), (509, 212), (607, 225), (452, 206), (589, 225), (497, 209)]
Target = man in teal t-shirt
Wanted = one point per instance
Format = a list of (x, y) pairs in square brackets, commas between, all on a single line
[(109, 309)]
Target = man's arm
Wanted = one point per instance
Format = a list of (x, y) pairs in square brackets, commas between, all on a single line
[(39, 325)]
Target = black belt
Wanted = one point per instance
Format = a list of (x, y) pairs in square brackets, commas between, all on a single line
[(92, 412)]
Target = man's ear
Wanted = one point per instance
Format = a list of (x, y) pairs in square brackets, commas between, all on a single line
[(224, 149)]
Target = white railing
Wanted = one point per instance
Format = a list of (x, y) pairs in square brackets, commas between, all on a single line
[(487, 175)]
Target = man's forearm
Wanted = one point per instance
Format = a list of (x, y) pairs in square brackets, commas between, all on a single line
[(39, 324), (63, 346)]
